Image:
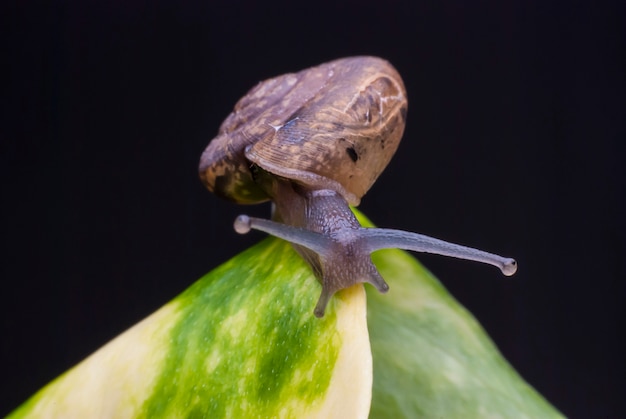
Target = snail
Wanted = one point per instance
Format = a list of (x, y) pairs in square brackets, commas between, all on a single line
[(313, 143)]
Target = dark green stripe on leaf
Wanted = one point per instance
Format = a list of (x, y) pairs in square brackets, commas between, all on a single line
[(248, 343)]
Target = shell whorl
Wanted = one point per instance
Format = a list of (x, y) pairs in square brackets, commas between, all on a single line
[(334, 126)]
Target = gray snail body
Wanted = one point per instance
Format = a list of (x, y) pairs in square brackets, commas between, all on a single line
[(313, 143)]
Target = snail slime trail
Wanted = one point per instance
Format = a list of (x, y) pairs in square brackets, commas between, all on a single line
[(313, 143)]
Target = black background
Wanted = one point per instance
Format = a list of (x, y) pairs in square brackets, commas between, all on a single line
[(516, 115)]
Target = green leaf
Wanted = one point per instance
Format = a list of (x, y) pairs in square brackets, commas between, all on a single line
[(431, 357), (243, 342)]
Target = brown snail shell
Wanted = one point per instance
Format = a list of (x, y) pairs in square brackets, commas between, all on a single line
[(334, 126)]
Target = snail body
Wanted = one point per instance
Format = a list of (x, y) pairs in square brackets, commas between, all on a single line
[(313, 143)]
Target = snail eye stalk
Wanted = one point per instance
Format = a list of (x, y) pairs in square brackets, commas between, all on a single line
[(382, 238), (316, 242)]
